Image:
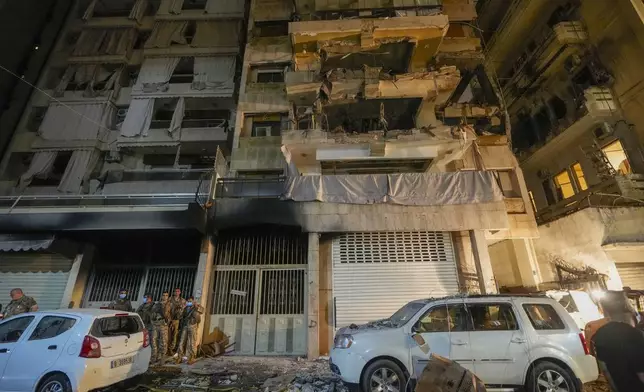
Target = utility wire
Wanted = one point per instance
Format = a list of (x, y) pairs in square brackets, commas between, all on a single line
[(53, 98)]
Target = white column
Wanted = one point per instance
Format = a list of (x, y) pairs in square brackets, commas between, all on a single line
[(483, 263), (77, 281), (202, 289), (313, 290), (526, 259)]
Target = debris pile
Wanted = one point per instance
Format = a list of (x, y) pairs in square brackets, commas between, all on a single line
[(305, 383)]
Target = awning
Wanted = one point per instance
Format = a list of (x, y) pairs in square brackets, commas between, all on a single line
[(25, 242)]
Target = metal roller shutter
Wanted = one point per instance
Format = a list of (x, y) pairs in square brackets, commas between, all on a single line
[(374, 274), (632, 275), (42, 276)]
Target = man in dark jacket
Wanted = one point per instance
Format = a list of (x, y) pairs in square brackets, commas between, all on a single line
[(122, 302), (619, 348), (188, 324)]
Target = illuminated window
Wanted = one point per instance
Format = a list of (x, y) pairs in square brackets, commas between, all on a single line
[(564, 185), (617, 157), (579, 175)]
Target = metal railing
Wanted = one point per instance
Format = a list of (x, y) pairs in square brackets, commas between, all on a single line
[(249, 187), (88, 201)]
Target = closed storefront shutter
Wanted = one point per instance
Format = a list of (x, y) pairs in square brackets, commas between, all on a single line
[(374, 274), (42, 276), (632, 275)]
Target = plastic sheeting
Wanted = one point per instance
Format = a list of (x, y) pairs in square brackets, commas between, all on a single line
[(41, 165), (138, 118), (156, 73), (214, 72), (78, 170), (177, 116), (419, 189), (85, 121)]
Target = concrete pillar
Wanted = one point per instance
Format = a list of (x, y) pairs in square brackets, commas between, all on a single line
[(527, 264), (78, 277), (483, 263), (313, 291), (202, 287)]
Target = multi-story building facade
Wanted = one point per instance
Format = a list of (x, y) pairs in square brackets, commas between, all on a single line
[(369, 166), (106, 169), (573, 92)]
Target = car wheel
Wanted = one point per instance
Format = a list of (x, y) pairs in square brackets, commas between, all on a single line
[(55, 383), (550, 377), (384, 376)]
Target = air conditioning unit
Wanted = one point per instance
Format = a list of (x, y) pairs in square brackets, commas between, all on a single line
[(113, 156), (121, 112)]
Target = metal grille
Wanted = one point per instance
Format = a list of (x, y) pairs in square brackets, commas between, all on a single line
[(395, 247), (234, 292), (108, 281), (282, 292), (261, 247), (162, 279)]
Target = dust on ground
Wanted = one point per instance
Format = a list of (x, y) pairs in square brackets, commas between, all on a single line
[(241, 374)]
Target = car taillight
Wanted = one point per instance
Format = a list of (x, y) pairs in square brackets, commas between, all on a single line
[(91, 348), (146, 338), (583, 343)]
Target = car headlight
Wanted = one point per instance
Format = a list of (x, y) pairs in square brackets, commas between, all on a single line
[(343, 341)]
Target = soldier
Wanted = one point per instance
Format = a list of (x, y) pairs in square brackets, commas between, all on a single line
[(176, 307), (190, 319), (122, 303), (152, 315), (19, 304), (163, 326)]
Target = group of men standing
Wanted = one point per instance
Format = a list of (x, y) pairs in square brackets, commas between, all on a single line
[(172, 322)]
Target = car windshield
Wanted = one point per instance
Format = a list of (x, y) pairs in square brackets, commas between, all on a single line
[(404, 314)]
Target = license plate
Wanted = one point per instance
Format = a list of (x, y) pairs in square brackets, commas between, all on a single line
[(120, 362)]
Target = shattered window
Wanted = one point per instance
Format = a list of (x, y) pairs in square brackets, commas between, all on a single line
[(564, 185), (405, 313), (52, 326), (444, 318), (543, 316), (617, 157), (493, 317), (579, 175)]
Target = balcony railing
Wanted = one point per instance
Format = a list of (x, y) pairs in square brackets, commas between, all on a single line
[(249, 187), (85, 201)]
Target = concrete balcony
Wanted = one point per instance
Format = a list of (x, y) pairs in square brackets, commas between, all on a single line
[(161, 137), (410, 40), (264, 97), (598, 107), (183, 90), (266, 50), (557, 45), (258, 154), (622, 190)]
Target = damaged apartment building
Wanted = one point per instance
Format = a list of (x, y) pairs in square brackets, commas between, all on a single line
[(370, 166), (574, 94), (102, 178)]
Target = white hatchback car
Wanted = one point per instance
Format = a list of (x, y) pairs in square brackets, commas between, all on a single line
[(71, 350), (508, 342)]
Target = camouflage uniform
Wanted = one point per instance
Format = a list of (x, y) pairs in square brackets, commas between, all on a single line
[(159, 332), (190, 319), (163, 329), (19, 306), (176, 307), (121, 304), (152, 317)]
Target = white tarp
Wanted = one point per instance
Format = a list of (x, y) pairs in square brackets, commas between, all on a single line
[(138, 118), (165, 33), (214, 72), (420, 189), (41, 165), (76, 121), (78, 169), (155, 73), (177, 116)]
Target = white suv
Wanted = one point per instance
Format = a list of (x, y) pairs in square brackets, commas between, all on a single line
[(73, 350), (507, 341)]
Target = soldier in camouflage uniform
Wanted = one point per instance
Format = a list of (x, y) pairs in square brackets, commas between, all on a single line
[(162, 327), (176, 307), (122, 303), (152, 315), (19, 304), (190, 319)]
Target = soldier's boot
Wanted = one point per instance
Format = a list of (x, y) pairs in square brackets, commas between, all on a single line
[(192, 361)]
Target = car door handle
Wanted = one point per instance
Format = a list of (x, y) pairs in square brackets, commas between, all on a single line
[(459, 343), (52, 347), (4, 350), (518, 340)]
